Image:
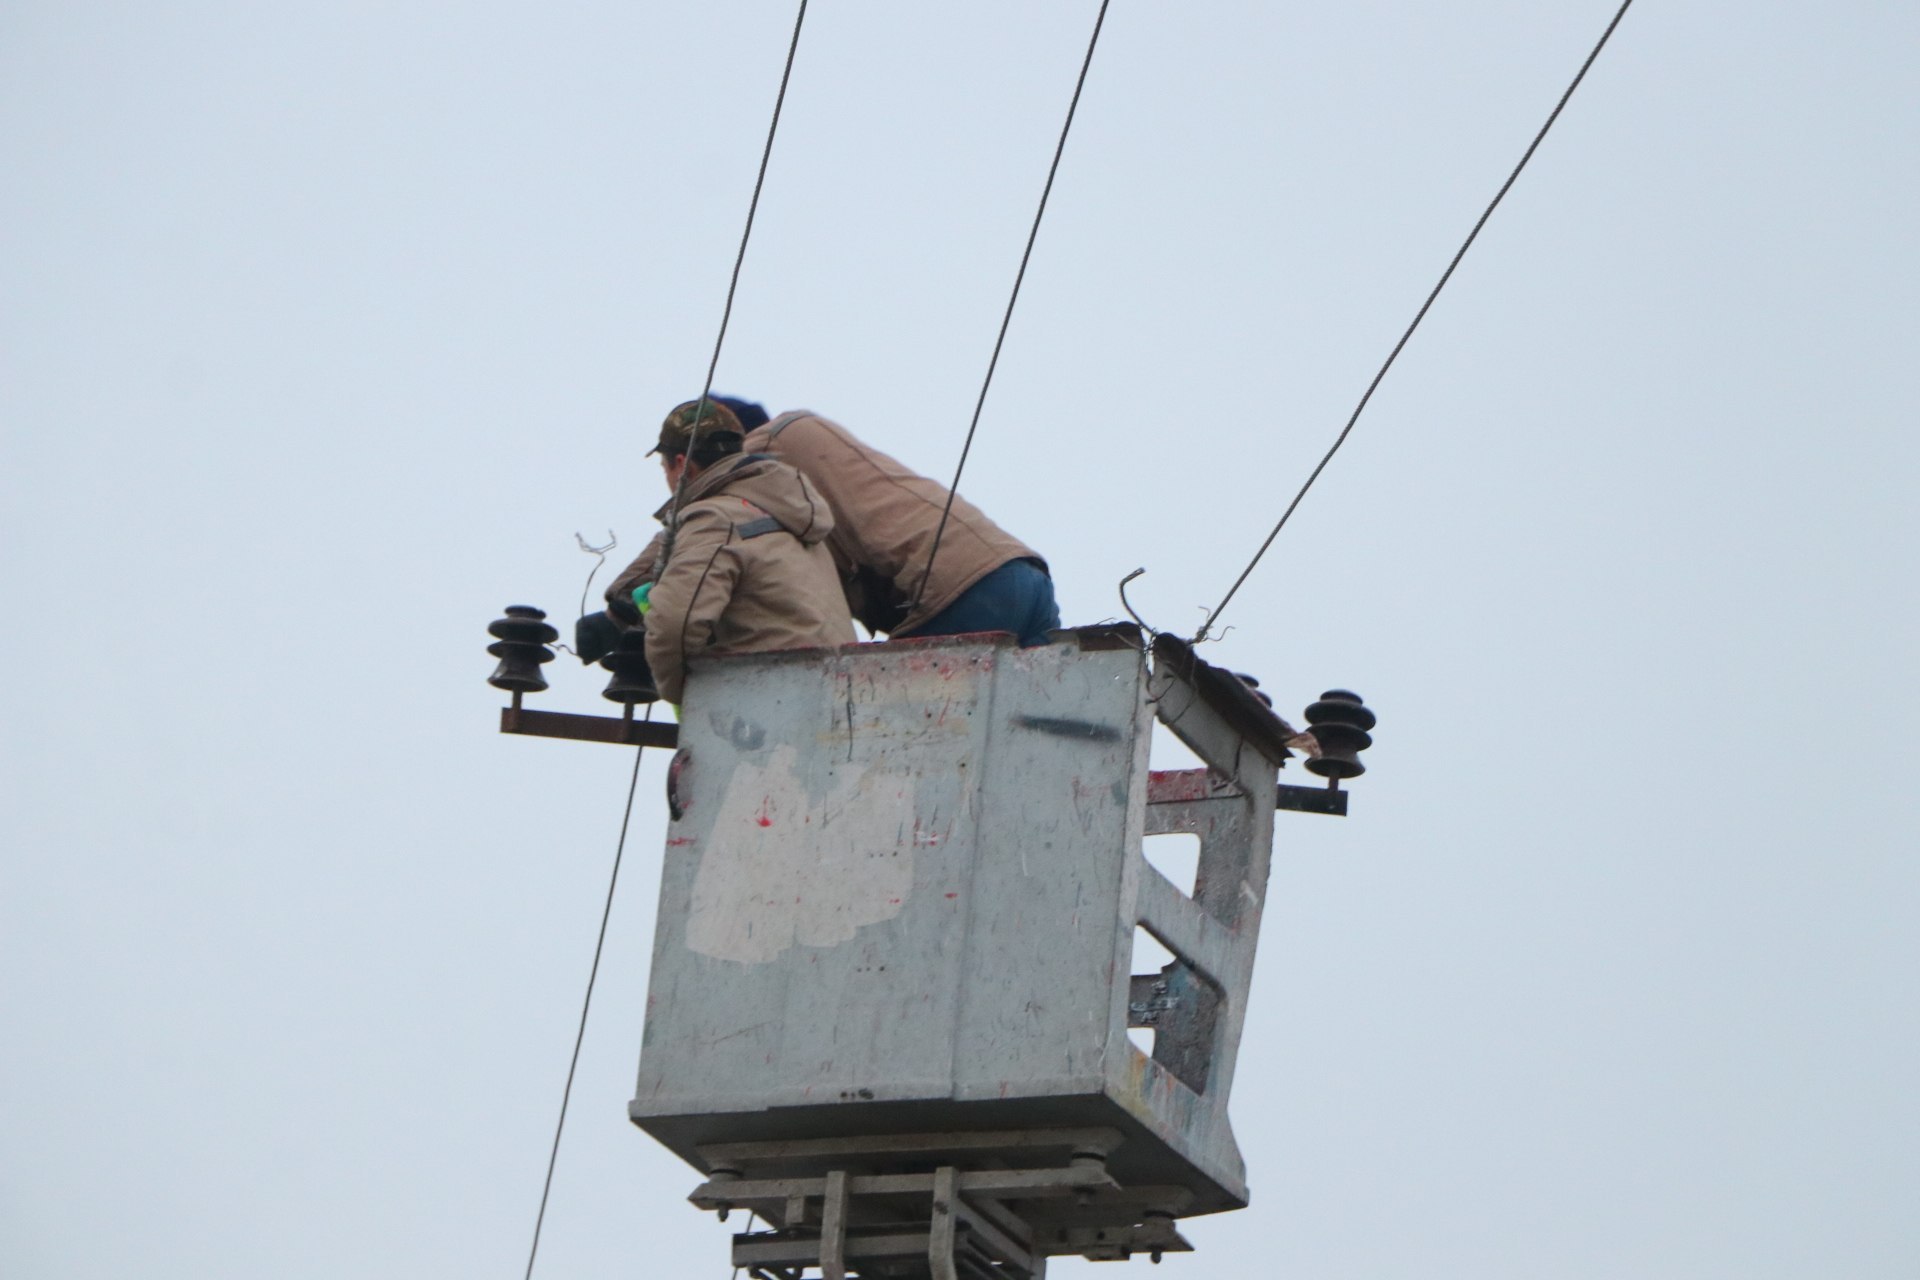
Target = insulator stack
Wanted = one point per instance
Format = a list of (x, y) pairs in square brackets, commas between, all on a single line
[(632, 678), (1254, 685), (1339, 722), (523, 637)]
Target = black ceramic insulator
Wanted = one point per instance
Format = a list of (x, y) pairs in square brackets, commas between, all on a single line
[(1339, 722), (521, 647), (632, 678), (1253, 685)]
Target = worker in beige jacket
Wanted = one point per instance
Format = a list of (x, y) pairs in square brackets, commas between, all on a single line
[(886, 517), (743, 565)]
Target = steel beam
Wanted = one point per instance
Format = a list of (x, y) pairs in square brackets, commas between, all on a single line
[(566, 724)]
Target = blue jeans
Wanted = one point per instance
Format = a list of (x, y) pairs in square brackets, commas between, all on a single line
[(1016, 597)]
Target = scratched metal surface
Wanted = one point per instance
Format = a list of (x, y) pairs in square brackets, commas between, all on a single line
[(900, 894)]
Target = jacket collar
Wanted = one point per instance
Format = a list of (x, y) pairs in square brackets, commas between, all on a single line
[(713, 480)]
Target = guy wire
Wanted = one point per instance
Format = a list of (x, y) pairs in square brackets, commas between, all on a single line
[(733, 283), (1206, 626), (566, 1094), (1007, 319)]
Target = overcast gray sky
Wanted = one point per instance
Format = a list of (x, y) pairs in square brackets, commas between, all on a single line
[(323, 327)]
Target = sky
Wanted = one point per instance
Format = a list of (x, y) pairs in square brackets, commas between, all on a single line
[(327, 326)]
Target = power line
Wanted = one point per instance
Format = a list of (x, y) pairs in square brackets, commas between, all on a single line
[(1207, 626), (566, 1095), (1007, 319), (733, 283), (726, 316)]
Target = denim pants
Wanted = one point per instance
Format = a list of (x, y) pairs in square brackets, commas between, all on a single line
[(1016, 597)]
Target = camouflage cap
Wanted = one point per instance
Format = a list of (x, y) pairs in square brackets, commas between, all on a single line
[(716, 423)]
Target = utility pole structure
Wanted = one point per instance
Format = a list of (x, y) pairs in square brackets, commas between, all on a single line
[(893, 975)]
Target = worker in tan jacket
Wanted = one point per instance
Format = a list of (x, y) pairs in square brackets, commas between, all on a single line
[(886, 518), (742, 566)]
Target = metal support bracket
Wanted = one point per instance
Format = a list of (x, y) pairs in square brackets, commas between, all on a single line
[(566, 724), (1311, 800)]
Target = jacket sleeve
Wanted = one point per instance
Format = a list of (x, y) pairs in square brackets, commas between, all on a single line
[(619, 593), (690, 594)]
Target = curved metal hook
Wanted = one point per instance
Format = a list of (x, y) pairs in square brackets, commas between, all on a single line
[(1127, 605), (591, 550)]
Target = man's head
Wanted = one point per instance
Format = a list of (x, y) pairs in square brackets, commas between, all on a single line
[(751, 415), (700, 433)]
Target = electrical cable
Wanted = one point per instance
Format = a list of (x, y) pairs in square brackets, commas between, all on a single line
[(1007, 319), (1207, 625), (733, 283), (566, 1095), (726, 316)]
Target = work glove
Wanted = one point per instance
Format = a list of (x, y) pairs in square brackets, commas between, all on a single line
[(594, 637), (621, 609)]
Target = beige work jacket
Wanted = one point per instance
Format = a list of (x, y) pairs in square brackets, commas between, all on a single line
[(884, 517), (749, 570)]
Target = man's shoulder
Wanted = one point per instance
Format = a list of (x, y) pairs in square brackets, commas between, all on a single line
[(733, 505), (709, 514), (752, 469), (797, 429)]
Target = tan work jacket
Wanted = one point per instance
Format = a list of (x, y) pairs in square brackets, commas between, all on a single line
[(884, 517), (749, 570)]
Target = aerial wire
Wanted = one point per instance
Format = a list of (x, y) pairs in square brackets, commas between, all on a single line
[(1206, 626), (1007, 319), (733, 283), (726, 315), (566, 1094)]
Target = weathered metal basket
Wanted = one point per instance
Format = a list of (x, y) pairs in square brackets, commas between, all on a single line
[(899, 903)]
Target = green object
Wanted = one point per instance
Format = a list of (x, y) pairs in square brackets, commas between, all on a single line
[(640, 594)]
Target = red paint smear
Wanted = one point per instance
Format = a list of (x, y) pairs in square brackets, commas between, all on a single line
[(679, 840), (764, 820), (953, 895)]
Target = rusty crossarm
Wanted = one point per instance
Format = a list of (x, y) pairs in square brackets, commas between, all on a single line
[(1311, 800), (1189, 786), (566, 724)]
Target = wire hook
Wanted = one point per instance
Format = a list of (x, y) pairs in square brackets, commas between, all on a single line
[(591, 550), (1128, 606)]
